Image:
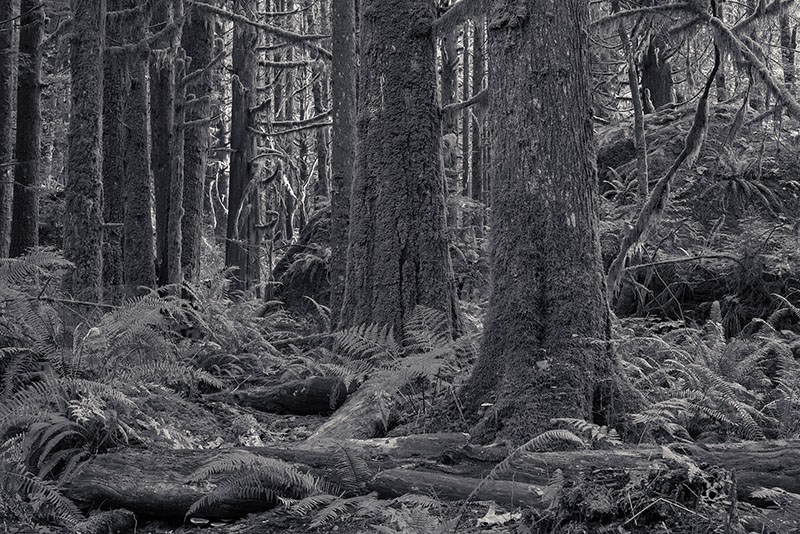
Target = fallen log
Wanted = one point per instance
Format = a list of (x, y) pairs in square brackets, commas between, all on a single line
[(153, 482), (396, 482), (315, 395), (755, 463)]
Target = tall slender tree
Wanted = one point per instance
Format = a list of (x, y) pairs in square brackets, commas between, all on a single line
[(343, 140), (25, 221), (83, 227), (8, 91), (242, 203), (198, 41), (542, 353), (398, 251), (138, 242)]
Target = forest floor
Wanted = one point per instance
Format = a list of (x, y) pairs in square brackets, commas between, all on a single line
[(710, 355)]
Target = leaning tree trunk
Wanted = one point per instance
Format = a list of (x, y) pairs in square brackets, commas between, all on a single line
[(238, 252), (547, 319), (343, 138), (397, 256), (138, 244), (25, 218), (198, 41), (83, 227), (8, 81)]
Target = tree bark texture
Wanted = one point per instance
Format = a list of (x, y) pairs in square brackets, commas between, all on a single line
[(162, 124), (657, 75), (398, 252), (343, 139), (243, 197), (8, 92), (542, 350), (138, 242), (478, 122), (83, 227), (25, 217), (198, 41), (115, 85)]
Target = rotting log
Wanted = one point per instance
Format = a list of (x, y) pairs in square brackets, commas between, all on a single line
[(153, 482), (396, 482), (315, 395)]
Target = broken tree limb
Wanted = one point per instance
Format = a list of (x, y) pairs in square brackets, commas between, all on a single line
[(364, 415)]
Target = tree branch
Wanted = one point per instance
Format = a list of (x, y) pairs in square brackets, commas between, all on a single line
[(479, 98)]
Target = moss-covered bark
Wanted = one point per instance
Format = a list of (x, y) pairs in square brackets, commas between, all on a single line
[(25, 218), (115, 73), (198, 41), (138, 243), (543, 352), (397, 256), (162, 127), (8, 90), (243, 204), (83, 230), (343, 139)]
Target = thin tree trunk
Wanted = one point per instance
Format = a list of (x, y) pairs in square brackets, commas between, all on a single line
[(478, 59), (343, 139), (8, 90), (198, 41), (398, 251), (115, 84), (449, 85), (138, 244), (242, 203), (788, 45), (83, 227), (321, 91), (162, 124), (466, 150), (548, 318), (25, 218)]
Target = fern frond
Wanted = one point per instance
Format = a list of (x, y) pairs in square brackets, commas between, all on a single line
[(352, 469)]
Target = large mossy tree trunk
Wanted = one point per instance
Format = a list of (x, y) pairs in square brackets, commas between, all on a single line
[(25, 218), (543, 351), (138, 242), (83, 227), (343, 139), (198, 41), (243, 201), (397, 256), (8, 90)]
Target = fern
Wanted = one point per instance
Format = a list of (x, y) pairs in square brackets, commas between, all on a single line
[(352, 469)]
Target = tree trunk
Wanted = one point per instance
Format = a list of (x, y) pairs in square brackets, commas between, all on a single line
[(343, 139), (138, 246), (25, 217), (115, 85), (478, 128), (398, 254), (656, 75), (315, 395), (83, 227), (547, 316), (466, 150), (788, 45), (243, 201), (8, 91), (198, 41), (321, 92), (449, 85), (162, 124)]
